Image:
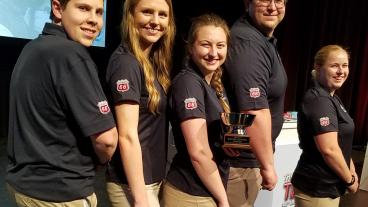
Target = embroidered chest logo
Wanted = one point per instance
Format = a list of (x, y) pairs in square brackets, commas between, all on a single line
[(122, 85), (190, 103), (103, 107), (324, 121), (254, 92)]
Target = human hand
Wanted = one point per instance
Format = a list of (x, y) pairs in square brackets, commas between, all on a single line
[(356, 177), (231, 152), (354, 188), (269, 178)]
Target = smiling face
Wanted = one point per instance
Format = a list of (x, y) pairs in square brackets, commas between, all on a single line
[(265, 15), (151, 19), (81, 19), (335, 70), (209, 49)]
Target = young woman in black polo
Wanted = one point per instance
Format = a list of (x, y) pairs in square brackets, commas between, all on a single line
[(325, 170), (197, 172), (138, 79)]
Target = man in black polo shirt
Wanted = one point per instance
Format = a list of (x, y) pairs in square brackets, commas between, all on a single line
[(256, 83), (60, 125)]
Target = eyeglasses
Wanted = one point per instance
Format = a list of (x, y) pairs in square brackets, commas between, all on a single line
[(278, 3)]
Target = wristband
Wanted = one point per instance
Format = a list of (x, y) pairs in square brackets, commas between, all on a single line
[(351, 182)]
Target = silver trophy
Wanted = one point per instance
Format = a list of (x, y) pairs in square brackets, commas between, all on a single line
[(234, 132)]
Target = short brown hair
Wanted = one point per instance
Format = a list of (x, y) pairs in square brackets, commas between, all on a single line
[(63, 3)]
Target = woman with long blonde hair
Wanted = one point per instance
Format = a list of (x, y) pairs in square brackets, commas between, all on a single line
[(138, 79)]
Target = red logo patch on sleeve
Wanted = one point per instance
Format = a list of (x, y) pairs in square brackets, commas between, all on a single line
[(122, 85), (103, 107), (190, 103), (324, 121), (254, 92)]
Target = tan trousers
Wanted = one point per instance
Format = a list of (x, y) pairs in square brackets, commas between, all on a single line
[(243, 186), (121, 196), (304, 200), (25, 201), (173, 197)]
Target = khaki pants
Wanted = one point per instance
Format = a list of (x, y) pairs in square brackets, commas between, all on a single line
[(173, 197), (304, 200), (25, 201), (243, 186), (121, 196)]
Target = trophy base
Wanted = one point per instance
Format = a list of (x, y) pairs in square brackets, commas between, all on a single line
[(236, 141), (237, 146)]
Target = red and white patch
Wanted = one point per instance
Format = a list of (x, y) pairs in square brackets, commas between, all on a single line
[(190, 103), (122, 85), (254, 92), (104, 107), (324, 121)]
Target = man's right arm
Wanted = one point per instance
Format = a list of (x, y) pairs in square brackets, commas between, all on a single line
[(261, 144), (104, 144), (248, 69)]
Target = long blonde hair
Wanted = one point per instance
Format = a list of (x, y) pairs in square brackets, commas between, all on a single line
[(208, 20), (158, 64)]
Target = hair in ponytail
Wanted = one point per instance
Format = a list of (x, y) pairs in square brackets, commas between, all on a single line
[(322, 55)]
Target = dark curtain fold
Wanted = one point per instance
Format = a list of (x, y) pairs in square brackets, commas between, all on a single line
[(361, 97)]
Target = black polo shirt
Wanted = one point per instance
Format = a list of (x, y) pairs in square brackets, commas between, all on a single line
[(126, 82), (192, 97), (321, 113), (56, 103), (254, 78)]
